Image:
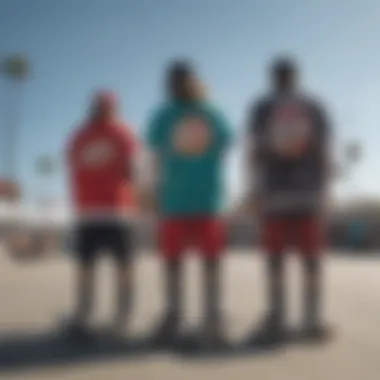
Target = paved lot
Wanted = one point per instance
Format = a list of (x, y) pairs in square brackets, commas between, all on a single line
[(33, 296)]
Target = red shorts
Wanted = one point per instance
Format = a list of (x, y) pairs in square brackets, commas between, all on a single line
[(206, 234), (303, 233)]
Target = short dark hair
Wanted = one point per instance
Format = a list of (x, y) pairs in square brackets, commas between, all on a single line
[(180, 75), (179, 69), (284, 65)]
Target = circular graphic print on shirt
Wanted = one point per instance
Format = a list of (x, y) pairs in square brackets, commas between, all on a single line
[(290, 131), (192, 136), (97, 153)]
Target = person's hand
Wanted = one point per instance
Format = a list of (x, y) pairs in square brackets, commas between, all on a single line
[(147, 201), (327, 204), (251, 204), (254, 204)]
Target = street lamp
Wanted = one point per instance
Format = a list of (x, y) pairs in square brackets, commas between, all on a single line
[(15, 69)]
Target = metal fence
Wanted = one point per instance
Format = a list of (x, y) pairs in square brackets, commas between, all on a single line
[(241, 234)]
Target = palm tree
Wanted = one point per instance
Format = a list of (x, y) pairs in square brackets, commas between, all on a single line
[(46, 167), (352, 155), (15, 67), (353, 152)]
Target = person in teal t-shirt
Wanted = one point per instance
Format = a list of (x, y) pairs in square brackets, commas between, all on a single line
[(189, 137)]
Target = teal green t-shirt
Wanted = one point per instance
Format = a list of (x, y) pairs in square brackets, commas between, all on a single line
[(190, 141)]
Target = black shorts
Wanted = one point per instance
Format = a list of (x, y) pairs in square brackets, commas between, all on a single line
[(114, 237)]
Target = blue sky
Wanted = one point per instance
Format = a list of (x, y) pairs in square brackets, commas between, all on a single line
[(75, 46)]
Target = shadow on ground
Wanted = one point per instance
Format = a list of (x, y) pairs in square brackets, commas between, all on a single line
[(28, 351), (19, 352)]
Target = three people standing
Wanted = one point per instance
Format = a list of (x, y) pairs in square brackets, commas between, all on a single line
[(188, 138)]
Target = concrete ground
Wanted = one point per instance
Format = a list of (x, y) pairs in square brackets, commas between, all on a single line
[(33, 297)]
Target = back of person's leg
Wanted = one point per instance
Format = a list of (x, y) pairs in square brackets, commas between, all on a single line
[(275, 239), (87, 246), (121, 245), (210, 239), (172, 243), (310, 239)]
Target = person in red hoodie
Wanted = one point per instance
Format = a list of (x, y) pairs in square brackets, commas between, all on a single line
[(100, 157)]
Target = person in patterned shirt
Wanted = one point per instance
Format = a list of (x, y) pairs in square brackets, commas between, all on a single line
[(100, 162), (189, 137), (289, 136)]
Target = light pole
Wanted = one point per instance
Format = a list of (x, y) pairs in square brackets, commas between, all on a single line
[(15, 68), (46, 166), (48, 237)]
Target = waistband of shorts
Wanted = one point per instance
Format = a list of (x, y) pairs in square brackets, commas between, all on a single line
[(292, 200), (105, 216)]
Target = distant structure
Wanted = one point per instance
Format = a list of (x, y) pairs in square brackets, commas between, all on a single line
[(15, 69)]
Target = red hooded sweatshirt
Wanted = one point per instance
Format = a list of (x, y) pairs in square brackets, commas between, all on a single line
[(99, 154)]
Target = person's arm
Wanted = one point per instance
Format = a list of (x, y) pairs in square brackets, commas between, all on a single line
[(254, 131), (226, 132), (154, 142), (150, 160), (325, 154), (254, 150), (324, 142), (69, 154), (130, 149)]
